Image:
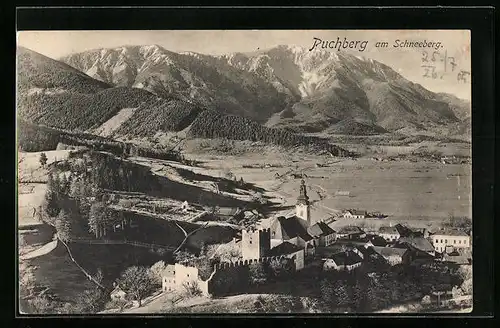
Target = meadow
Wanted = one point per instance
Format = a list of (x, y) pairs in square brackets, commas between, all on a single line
[(420, 193)]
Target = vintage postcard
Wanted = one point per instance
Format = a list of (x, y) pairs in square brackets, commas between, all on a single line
[(244, 171)]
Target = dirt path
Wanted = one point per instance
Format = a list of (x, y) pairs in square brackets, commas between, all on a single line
[(45, 249), (187, 235)]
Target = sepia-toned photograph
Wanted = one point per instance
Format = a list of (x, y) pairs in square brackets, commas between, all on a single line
[(244, 171)]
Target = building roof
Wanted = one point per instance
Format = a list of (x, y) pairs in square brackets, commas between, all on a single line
[(388, 230), (389, 251), (117, 290), (357, 212), (169, 271), (292, 227), (376, 240), (346, 258), (350, 230), (459, 259), (283, 249), (419, 243), (320, 229), (403, 230), (450, 232)]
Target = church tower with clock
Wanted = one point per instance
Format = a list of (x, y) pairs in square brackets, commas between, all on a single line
[(302, 207)]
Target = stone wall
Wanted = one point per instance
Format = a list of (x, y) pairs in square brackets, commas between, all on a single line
[(229, 278)]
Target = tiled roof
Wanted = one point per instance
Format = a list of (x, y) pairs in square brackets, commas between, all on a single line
[(403, 231), (346, 258), (389, 230), (376, 240), (419, 243), (350, 230), (320, 229), (291, 227), (283, 249), (357, 212), (450, 232), (389, 251)]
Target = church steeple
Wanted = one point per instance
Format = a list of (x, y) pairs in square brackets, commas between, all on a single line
[(303, 199), (302, 208)]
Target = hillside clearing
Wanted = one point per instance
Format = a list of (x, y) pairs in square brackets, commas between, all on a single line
[(110, 126)]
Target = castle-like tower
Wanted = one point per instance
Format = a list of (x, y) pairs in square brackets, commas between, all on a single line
[(255, 243), (302, 208)]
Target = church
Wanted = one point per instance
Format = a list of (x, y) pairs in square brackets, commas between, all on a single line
[(300, 229)]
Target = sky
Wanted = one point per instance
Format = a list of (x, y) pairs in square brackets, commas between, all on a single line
[(407, 61)]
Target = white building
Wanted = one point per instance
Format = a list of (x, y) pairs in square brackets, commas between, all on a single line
[(390, 234), (344, 261), (355, 214), (454, 238)]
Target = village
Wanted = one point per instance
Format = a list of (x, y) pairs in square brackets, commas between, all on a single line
[(304, 242)]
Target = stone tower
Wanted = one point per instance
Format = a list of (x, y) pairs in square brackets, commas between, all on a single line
[(302, 208), (255, 243)]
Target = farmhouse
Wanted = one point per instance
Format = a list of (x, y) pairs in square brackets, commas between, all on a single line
[(455, 238), (344, 261), (390, 234), (351, 232), (117, 294), (322, 233), (355, 214)]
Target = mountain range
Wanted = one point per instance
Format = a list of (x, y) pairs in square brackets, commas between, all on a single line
[(284, 87)]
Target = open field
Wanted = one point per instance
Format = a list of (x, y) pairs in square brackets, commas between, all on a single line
[(418, 193), (56, 271), (30, 197), (29, 167)]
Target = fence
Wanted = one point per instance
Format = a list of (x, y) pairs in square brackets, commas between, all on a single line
[(119, 242)]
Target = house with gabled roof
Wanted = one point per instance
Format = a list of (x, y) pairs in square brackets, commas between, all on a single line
[(322, 233), (390, 234), (343, 261), (350, 232), (355, 214), (420, 246), (117, 294)]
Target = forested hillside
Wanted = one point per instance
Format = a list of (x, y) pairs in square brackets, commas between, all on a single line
[(211, 124)]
